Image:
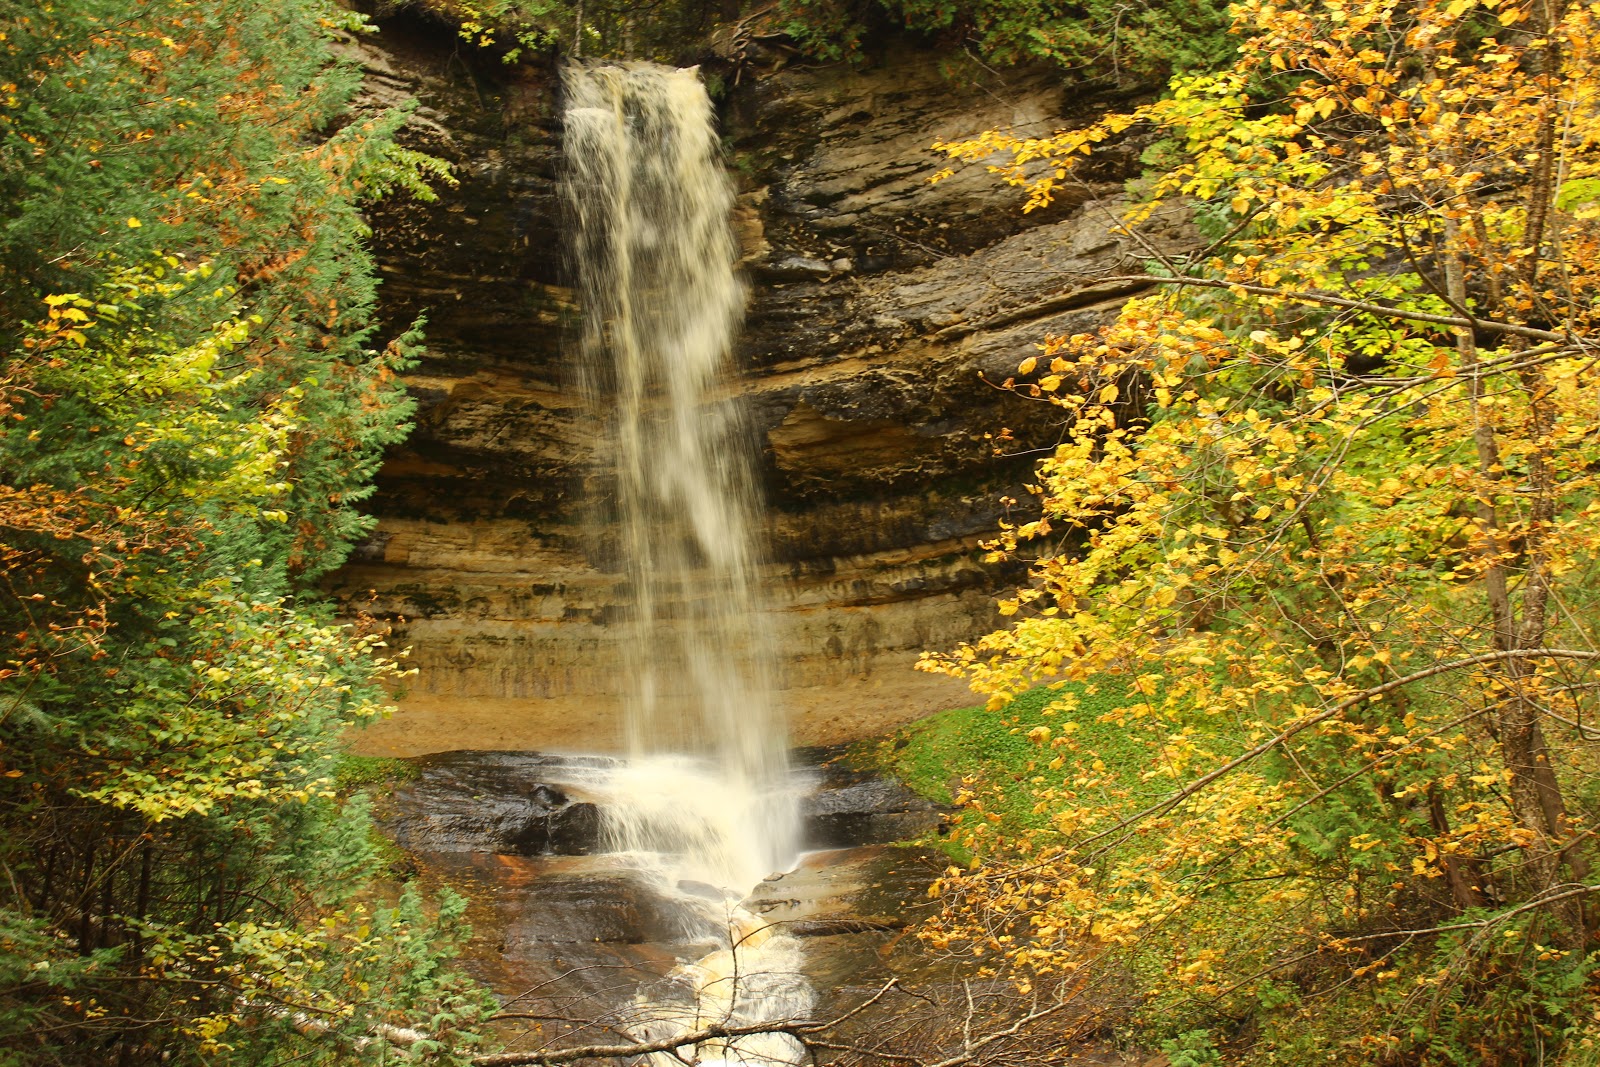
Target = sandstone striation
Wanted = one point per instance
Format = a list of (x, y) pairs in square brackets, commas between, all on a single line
[(882, 311)]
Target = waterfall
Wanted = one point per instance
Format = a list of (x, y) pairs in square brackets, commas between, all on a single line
[(706, 780)]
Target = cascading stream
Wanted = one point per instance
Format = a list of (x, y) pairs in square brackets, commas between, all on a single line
[(705, 794)]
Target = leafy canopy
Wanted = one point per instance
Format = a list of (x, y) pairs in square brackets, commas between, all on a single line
[(1106, 42), (1327, 500)]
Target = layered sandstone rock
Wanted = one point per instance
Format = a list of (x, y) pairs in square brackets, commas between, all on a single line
[(881, 309)]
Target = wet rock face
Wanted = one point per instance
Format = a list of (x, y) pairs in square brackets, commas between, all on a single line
[(881, 309), (578, 909), (554, 917), (848, 807), (490, 802)]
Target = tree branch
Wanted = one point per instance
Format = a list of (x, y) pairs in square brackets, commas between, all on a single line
[(1309, 721), (1486, 325), (640, 1048), (795, 1028)]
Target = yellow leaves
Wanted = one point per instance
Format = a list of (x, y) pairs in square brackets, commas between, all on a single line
[(133, 223), (1421, 868), (1235, 628), (1309, 110)]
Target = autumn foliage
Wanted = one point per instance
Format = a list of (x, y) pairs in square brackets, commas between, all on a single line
[(1327, 506), (191, 402)]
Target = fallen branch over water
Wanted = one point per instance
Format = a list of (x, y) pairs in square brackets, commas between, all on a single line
[(796, 1028), (551, 1057)]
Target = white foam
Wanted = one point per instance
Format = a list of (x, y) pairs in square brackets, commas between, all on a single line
[(705, 795)]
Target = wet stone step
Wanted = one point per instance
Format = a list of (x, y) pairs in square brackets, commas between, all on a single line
[(510, 803), (533, 804), (847, 807)]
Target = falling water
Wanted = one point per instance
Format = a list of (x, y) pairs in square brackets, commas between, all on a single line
[(706, 781), (705, 794)]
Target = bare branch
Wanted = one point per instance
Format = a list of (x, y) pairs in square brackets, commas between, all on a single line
[(1301, 725), (796, 1028), (641, 1048), (1329, 299)]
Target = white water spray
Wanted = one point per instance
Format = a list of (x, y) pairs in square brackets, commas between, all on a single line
[(705, 794), (662, 303)]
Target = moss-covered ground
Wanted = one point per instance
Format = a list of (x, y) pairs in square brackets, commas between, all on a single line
[(997, 757)]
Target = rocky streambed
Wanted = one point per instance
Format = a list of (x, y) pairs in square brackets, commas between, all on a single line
[(566, 930), (586, 947)]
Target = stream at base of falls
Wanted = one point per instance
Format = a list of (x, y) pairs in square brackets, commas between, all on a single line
[(609, 946)]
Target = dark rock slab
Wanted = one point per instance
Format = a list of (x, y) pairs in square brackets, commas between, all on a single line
[(584, 908), (580, 907), (511, 803), (850, 807)]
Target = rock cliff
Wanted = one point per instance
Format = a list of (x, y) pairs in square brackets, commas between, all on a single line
[(881, 307)]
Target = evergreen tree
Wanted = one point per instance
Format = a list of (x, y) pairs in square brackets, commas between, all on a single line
[(191, 407)]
